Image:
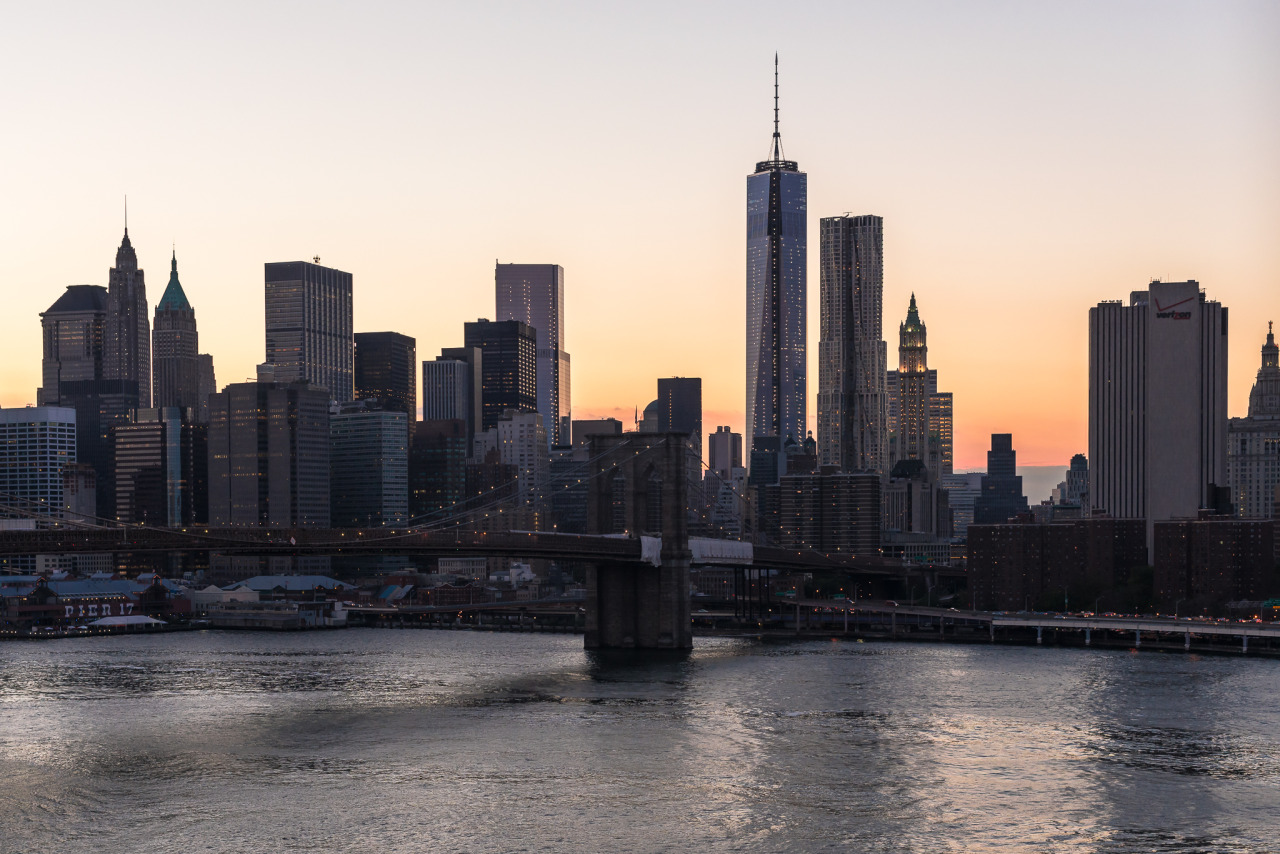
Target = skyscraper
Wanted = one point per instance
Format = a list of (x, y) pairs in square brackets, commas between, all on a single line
[(777, 386), (127, 330), (269, 456), (161, 468), (176, 348), (1157, 404), (1001, 497), (36, 445), (368, 467), (453, 388), (534, 294), (1253, 443), (309, 326), (508, 367), (386, 369), (852, 396), (680, 406), (913, 388), (73, 374), (724, 452)]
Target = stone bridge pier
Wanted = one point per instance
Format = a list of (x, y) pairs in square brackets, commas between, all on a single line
[(639, 488)]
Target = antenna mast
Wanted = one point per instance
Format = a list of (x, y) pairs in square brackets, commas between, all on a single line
[(777, 136)]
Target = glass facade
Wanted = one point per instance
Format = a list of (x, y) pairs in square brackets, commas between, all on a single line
[(777, 387), (309, 326)]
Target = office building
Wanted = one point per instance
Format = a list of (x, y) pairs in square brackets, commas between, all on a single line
[(724, 452), (36, 444), (831, 512), (386, 370), (1253, 442), (509, 370), (207, 383), (522, 444), (368, 466), (962, 493), (73, 374), (176, 349), (680, 406), (269, 456), (584, 429), (914, 502), (1077, 492), (1001, 498), (309, 326), (452, 388), (913, 434), (127, 329), (161, 468), (437, 468), (852, 354), (1157, 404), (534, 295), (777, 241)]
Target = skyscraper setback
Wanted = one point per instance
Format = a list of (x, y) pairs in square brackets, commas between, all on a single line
[(852, 356), (777, 386), (309, 326), (127, 330), (534, 294)]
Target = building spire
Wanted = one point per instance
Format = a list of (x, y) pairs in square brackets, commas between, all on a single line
[(126, 215)]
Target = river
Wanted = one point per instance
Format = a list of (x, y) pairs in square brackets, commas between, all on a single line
[(389, 741)]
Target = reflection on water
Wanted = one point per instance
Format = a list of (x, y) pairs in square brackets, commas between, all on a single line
[(407, 741)]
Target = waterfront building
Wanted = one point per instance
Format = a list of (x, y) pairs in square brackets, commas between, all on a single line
[(127, 329), (1202, 564), (368, 466), (309, 331), (37, 443), (1018, 565), (1157, 404), (509, 369), (386, 371), (269, 456), (534, 295), (1253, 442), (777, 242), (1001, 498), (161, 468), (437, 468), (831, 512), (852, 354), (176, 348), (724, 452)]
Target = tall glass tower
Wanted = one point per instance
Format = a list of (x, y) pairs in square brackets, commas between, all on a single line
[(777, 387)]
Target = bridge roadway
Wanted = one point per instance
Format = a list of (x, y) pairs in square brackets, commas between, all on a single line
[(531, 544)]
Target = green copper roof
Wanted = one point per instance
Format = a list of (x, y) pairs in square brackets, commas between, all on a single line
[(174, 298)]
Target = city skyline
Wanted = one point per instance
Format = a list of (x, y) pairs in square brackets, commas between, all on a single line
[(992, 223)]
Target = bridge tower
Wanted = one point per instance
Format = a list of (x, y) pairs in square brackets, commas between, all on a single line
[(639, 487)]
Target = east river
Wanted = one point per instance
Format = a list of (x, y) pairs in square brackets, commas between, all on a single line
[(388, 741)]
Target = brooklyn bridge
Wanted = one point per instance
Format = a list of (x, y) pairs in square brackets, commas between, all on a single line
[(638, 555)]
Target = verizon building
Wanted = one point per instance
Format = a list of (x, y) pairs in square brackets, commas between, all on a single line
[(1157, 404)]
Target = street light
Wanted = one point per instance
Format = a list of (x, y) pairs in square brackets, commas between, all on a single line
[(1176, 605)]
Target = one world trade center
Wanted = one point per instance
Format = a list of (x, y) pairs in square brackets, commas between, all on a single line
[(777, 389)]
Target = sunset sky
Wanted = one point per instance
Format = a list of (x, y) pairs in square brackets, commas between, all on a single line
[(1029, 159)]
